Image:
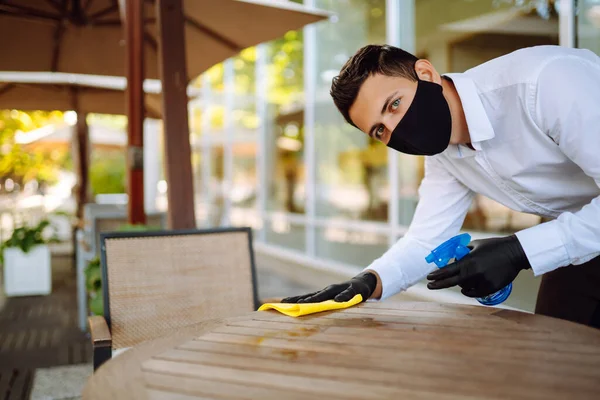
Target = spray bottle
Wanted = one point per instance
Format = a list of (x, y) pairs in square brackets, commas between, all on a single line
[(456, 248)]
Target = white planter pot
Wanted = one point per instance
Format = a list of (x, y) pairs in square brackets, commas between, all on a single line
[(27, 274)]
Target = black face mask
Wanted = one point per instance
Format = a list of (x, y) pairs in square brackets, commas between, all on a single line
[(425, 128)]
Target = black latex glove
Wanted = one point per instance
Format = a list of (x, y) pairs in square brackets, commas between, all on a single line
[(491, 265), (363, 284)]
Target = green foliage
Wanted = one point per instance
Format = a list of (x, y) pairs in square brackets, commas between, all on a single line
[(12, 121), (285, 70), (115, 122), (93, 284), (93, 275), (21, 164), (107, 172), (97, 303), (138, 228), (26, 238)]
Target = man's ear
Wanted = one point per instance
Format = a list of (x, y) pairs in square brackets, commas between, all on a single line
[(427, 72)]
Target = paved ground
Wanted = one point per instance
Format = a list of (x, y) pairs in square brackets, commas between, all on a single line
[(40, 331)]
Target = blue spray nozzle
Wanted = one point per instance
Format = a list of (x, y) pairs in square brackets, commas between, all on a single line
[(455, 247)]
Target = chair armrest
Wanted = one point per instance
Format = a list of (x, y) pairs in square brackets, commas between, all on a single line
[(99, 331), (101, 340)]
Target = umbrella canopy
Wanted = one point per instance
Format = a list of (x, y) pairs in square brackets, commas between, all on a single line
[(86, 36), (51, 136), (83, 98)]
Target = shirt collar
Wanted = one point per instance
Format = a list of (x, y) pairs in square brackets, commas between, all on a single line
[(480, 127)]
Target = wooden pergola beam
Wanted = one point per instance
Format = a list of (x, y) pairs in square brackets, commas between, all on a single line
[(173, 73), (134, 28)]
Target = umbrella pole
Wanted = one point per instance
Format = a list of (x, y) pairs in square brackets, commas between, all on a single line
[(82, 148), (135, 111), (173, 74), (81, 156)]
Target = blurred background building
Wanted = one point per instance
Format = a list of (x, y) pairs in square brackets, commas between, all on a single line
[(271, 151)]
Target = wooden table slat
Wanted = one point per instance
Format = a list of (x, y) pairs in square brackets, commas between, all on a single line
[(422, 306), (206, 387), (372, 351), (154, 394), (395, 326), (471, 322), (530, 340), (382, 322), (485, 348), (385, 360), (419, 308), (308, 385), (410, 377), (333, 347)]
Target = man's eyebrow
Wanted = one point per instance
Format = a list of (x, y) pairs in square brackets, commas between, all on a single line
[(385, 106)]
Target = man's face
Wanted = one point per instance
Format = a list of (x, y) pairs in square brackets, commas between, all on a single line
[(380, 104)]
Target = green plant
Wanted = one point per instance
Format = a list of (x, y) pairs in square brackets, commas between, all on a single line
[(138, 228), (93, 284), (26, 238), (107, 172)]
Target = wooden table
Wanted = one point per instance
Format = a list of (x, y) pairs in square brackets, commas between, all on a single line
[(387, 350)]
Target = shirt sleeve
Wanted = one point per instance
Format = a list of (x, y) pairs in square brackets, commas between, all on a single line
[(443, 204), (567, 109)]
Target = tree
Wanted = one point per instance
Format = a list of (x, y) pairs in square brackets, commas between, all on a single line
[(21, 165), (107, 172)]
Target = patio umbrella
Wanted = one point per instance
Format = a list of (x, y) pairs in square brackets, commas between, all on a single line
[(83, 99), (86, 36), (80, 93)]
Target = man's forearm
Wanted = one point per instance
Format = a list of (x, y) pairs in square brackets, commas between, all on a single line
[(377, 293)]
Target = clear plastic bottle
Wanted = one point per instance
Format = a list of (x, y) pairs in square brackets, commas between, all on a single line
[(456, 248)]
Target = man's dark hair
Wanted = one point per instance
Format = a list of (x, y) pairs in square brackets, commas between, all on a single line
[(369, 60)]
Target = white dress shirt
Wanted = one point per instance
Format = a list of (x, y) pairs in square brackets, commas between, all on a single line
[(534, 121)]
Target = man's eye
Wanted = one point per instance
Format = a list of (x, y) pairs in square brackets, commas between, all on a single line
[(379, 132), (395, 105)]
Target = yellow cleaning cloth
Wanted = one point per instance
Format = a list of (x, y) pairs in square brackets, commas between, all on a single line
[(297, 310)]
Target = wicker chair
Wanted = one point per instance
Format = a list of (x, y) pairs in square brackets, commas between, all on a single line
[(99, 218), (157, 282)]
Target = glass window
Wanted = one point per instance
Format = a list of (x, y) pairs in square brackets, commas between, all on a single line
[(244, 180), (352, 247), (216, 186), (200, 186), (245, 130), (351, 176), (588, 25), (411, 172), (245, 120), (285, 124), (213, 105), (456, 35), (246, 217), (281, 232)]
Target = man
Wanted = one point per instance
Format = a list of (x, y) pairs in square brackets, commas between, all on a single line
[(522, 129)]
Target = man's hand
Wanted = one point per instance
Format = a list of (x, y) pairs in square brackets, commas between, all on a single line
[(363, 284), (491, 265)]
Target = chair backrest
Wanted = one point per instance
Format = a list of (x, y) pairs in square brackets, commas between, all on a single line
[(112, 223), (156, 282)]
